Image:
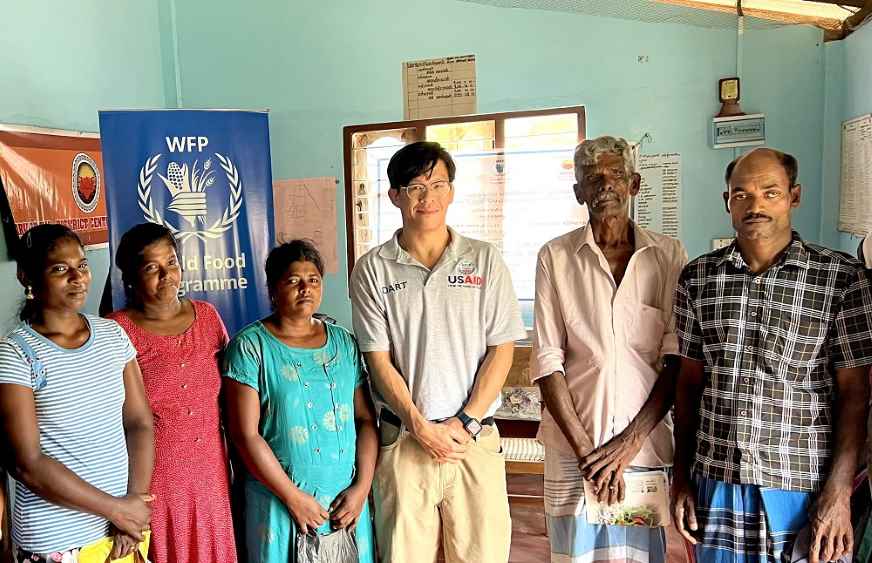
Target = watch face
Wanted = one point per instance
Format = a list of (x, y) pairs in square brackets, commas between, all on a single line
[(729, 89), (473, 427)]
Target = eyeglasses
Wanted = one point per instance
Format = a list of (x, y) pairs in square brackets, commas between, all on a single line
[(416, 191)]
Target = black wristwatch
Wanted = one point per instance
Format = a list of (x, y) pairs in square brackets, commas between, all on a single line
[(472, 425)]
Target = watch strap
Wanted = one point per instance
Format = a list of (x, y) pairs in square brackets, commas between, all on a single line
[(468, 421)]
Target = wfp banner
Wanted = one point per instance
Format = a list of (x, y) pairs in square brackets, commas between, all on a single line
[(206, 176), (53, 176)]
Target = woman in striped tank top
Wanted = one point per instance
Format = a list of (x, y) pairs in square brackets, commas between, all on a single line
[(75, 423)]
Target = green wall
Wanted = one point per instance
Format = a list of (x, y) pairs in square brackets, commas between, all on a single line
[(318, 67), (849, 84), (321, 66), (59, 63)]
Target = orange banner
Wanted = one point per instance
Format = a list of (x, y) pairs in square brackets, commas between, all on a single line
[(54, 177)]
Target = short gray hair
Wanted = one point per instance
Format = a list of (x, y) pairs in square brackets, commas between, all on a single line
[(587, 152)]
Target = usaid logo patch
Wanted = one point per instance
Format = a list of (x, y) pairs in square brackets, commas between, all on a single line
[(464, 276), (466, 267)]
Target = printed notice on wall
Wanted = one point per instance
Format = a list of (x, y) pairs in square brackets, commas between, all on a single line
[(855, 198), (439, 87), (658, 205), (306, 209)]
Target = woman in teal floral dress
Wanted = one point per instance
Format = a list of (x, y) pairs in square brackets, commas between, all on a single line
[(300, 416)]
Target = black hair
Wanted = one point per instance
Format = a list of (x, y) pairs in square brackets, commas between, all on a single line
[(417, 159), (31, 255), (128, 255), (282, 256), (788, 161)]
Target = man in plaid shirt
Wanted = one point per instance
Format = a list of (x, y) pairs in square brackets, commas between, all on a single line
[(774, 335)]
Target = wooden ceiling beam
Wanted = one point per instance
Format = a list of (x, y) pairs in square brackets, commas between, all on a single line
[(853, 22), (825, 16), (852, 3)]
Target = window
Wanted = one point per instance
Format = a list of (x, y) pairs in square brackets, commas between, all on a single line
[(513, 186)]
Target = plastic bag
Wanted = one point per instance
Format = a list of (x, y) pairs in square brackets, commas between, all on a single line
[(335, 547)]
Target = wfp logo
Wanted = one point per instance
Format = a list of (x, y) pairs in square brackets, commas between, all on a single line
[(188, 191), (187, 186)]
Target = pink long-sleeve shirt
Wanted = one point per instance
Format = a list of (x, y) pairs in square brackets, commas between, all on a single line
[(607, 340)]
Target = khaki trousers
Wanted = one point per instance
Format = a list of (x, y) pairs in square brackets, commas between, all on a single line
[(419, 503)]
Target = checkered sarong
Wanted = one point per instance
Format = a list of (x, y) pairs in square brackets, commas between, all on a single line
[(747, 523)]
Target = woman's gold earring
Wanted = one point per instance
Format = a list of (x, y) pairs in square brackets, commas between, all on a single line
[(28, 293)]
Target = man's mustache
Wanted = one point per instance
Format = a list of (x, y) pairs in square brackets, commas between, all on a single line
[(604, 197), (756, 216)]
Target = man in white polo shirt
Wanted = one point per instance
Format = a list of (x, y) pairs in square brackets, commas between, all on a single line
[(436, 317)]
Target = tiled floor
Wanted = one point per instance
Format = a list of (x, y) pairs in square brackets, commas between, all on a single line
[(529, 534)]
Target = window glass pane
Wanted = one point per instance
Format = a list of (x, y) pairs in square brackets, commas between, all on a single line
[(374, 216), (542, 131), (475, 136), (518, 198), (518, 201), (539, 205)]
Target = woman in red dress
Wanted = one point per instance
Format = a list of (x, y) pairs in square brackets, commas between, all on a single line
[(178, 343)]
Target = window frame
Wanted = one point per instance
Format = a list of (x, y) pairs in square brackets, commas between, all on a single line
[(419, 126)]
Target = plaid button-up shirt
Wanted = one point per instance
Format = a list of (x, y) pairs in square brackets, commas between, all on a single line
[(770, 343)]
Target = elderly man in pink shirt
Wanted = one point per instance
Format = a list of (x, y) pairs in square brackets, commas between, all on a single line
[(605, 357)]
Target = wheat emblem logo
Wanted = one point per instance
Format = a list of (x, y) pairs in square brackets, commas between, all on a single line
[(187, 188)]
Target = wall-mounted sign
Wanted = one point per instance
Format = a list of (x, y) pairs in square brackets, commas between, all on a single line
[(53, 176), (439, 87), (738, 131)]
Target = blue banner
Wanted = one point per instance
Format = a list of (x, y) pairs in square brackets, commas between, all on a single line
[(206, 176)]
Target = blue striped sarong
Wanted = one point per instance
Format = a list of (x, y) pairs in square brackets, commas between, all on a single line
[(573, 539), (747, 523)]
